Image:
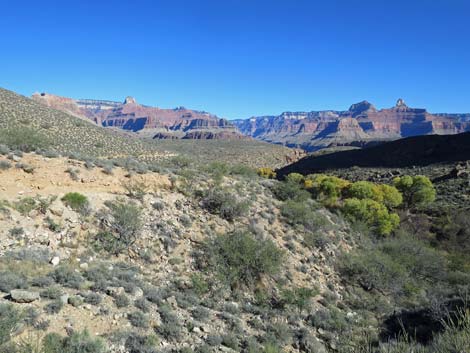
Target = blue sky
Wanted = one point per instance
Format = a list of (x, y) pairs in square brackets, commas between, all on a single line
[(242, 58)]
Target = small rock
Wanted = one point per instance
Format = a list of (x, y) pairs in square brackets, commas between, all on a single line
[(23, 296), (55, 260), (84, 266), (64, 298), (114, 291)]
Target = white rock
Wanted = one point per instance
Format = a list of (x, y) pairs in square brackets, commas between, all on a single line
[(55, 260)]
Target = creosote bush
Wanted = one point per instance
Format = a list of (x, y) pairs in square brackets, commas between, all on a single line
[(76, 202), (121, 226), (240, 259), (224, 203)]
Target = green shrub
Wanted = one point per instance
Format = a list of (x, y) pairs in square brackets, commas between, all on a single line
[(290, 190), (82, 342), (223, 203), (5, 165), (326, 188), (298, 297), (364, 190), (417, 190), (138, 319), (170, 328), (76, 201), (25, 205), (125, 223), (371, 213), (267, 173), (66, 276), (10, 319), (303, 213), (240, 259), (121, 300), (392, 198), (54, 307)]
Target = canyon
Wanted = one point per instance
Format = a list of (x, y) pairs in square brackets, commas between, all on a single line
[(361, 125)]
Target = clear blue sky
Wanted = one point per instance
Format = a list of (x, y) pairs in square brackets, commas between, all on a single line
[(241, 58)]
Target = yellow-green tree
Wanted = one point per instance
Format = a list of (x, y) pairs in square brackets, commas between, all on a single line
[(416, 190), (372, 213)]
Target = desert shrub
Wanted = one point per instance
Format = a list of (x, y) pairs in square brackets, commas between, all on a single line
[(16, 231), (371, 213), (330, 319), (240, 259), (121, 300), (10, 319), (222, 202), (67, 276), (297, 297), (54, 307), (142, 304), (230, 340), (290, 190), (186, 220), (52, 225), (136, 343), (123, 224), (170, 328), (295, 178), (136, 189), (316, 239), (417, 190), (25, 205), (242, 170), (303, 213), (373, 269), (77, 342), (76, 201), (24, 139), (199, 284), (399, 266), (52, 292), (267, 173), (138, 319), (10, 280), (74, 173), (93, 298), (4, 165)]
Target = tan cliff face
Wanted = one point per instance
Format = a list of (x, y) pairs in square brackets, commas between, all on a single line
[(361, 123), (150, 121)]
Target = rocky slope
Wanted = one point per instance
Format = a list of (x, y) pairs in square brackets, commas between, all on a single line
[(147, 121), (25, 123), (359, 125)]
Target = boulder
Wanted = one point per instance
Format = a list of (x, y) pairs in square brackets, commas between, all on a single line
[(23, 296)]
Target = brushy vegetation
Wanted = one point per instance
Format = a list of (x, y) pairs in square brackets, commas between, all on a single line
[(239, 259), (77, 202)]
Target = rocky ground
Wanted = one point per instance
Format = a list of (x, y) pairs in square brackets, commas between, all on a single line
[(52, 267)]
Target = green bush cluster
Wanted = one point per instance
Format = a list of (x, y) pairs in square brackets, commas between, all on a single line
[(76, 202), (417, 190), (121, 226), (224, 203), (240, 259), (361, 201)]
